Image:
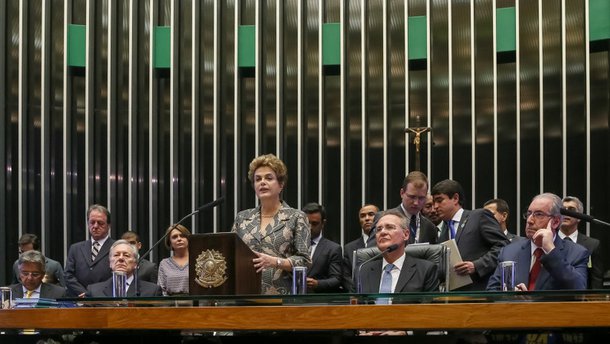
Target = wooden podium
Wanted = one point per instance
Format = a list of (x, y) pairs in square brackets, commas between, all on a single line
[(221, 264)]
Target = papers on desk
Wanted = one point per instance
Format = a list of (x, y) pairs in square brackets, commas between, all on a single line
[(455, 281), (35, 303)]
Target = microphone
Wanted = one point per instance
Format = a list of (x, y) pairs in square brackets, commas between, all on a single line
[(358, 275), (581, 216), (203, 207)]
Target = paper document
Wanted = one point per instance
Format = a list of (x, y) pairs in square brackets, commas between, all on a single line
[(455, 281)]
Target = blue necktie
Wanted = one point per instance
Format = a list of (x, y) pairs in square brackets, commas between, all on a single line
[(386, 284), (451, 229), (413, 227)]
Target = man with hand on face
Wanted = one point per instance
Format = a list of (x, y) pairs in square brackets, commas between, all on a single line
[(31, 265), (124, 257), (325, 275), (87, 261), (545, 261)]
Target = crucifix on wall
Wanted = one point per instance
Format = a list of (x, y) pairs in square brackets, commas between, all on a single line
[(418, 131)]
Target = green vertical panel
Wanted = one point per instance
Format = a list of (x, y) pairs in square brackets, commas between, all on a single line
[(162, 47), (418, 37), (247, 46), (77, 44), (331, 44), (506, 30), (599, 19)]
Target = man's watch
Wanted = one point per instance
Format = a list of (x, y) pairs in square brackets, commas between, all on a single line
[(278, 262)]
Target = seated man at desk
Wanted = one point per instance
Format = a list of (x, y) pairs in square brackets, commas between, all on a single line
[(545, 261), (396, 272), (31, 265), (124, 257)]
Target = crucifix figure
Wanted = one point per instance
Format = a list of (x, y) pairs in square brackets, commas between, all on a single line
[(417, 141)]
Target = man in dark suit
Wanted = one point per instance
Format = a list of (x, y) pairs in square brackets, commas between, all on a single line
[(476, 232), (124, 257), (401, 272), (54, 272), (569, 231), (325, 275), (87, 261), (366, 215), (31, 265), (413, 193), (147, 271), (500, 210), (545, 261)]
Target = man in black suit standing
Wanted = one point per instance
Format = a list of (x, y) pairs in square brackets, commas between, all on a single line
[(500, 210), (147, 271), (31, 265), (87, 261), (569, 231), (325, 275), (476, 232), (366, 215), (124, 257)]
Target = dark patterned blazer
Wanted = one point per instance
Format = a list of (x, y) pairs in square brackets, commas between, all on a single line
[(287, 236), (47, 291), (81, 271), (326, 266)]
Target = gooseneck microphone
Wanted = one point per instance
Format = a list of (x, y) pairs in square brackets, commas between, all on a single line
[(581, 216), (202, 208), (387, 250)]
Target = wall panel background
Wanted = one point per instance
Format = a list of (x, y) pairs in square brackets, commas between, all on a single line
[(155, 143)]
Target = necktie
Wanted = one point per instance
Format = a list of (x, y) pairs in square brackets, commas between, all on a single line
[(95, 250), (413, 227), (451, 229), (535, 271), (386, 284), (28, 294), (567, 239), (311, 245)]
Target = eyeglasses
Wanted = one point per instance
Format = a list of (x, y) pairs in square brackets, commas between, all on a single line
[(30, 274), (538, 215), (387, 228)]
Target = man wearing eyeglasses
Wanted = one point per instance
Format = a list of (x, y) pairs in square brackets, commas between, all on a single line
[(31, 273), (54, 271), (545, 261)]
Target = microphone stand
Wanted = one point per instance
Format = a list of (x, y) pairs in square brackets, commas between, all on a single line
[(581, 216), (359, 275), (203, 207)]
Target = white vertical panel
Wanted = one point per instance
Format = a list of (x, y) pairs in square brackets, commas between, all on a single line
[(343, 61), (385, 103), (89, 108), (299, 103), (363, 70), (217, 90), (429, 89), (518, 112), (111, 101), (279, 67), (257, 77), (131, 110), (407, 100), (173, 113), (44, 125), (321, 100), (564, 113), (65, 129), (494, 21), (152, 109), (541, 95), (588, 115), (195, 37), (21, 166), (473, 118), (450, 83)]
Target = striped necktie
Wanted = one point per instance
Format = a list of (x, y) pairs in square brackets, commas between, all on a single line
[(95, 250), (386, 284), (28, 294)]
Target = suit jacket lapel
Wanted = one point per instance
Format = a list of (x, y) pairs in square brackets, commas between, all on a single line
[(544, 276), (524, 261), (406, 274), (374, 275), (460, 228), (444, 236)]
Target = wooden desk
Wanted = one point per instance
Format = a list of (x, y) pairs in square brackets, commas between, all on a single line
[(510, 315)]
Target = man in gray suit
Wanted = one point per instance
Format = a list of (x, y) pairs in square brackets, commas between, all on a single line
[(569, 231), (87, 261), (476, 232), (124, 257), (54, 272), (31, 265)]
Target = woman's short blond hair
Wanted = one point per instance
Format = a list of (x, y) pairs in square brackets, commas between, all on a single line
[(271, 161)]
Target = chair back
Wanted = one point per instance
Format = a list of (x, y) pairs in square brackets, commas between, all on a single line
[(435, 253)]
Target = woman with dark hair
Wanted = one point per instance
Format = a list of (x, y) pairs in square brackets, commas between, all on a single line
[(277, 233)]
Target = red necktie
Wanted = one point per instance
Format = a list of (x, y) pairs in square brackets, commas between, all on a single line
[(535, 269)]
